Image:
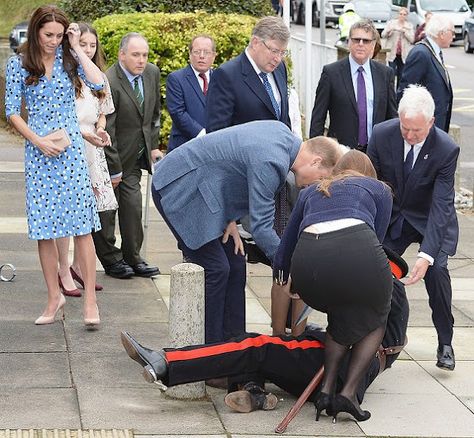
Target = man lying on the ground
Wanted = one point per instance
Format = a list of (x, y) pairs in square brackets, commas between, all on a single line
[(250, 360)]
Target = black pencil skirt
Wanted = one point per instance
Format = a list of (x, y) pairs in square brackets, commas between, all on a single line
[(345, 274)]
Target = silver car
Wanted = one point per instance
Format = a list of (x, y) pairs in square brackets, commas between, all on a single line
[(468, 34), (18, 35)]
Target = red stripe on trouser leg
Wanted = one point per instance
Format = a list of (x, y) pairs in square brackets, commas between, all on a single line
[(229, 347)]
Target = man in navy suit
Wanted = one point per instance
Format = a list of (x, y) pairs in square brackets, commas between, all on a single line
[(186, 91), (418, 160), (208, 183), (338, 91), (252, 86), (425, 66)]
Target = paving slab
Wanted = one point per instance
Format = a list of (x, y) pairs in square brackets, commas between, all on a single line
[(399, 380), (39, 408), (35, 370), (146, 411), (420, 314), (25, 337), (417, 415)]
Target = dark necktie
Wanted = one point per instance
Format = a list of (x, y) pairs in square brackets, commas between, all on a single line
[(139, 96), (205, 84), (362, 107), (441, 56), (138, 93), (408, 165), (269, 90)]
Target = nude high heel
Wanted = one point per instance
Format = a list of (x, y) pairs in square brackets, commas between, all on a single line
[(92, 323), (43, 320)]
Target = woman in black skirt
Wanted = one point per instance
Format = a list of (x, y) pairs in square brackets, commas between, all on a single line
[(331, 254)]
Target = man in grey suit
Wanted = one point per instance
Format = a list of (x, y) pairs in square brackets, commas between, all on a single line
[(134, 130), (208, 183), (356, 91)]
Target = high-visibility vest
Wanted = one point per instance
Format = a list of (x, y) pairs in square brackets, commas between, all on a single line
[(346, 20)]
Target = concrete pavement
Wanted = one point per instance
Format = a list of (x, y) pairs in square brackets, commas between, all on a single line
[(72, 382)]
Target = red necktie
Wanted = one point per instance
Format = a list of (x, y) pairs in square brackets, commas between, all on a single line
[(203, 77)]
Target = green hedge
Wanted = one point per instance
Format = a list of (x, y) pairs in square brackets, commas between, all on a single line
[(168, 37), (88, 10)]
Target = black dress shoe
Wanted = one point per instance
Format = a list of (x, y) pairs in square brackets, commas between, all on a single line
[(250, 398), (445, 356), (119, 269), (143, 269), (153, 362)]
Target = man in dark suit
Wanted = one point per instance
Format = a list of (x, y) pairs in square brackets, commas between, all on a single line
[(252, 86), (356, 100), (134, 130), (186, 91), (425, 66), (418, 160)]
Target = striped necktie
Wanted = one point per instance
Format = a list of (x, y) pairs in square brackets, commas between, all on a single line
[(137, 91)]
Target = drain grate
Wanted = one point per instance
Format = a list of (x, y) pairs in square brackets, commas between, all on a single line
[(66, 433)]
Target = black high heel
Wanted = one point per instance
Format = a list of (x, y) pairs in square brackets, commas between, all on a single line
[(322, 402), (343, 404)]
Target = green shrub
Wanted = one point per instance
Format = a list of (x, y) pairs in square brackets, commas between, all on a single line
[(168, 38), (88, 10)]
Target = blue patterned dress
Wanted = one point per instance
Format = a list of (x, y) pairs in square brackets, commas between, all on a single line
[(59, 198)]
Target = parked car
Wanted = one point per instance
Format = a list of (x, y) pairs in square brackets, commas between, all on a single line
[(468, 34), (456, 10), (333, 8), (379, 11), (18, 35)]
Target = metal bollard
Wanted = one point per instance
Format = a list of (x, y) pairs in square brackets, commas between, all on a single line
[(186, 319), (455, 133)]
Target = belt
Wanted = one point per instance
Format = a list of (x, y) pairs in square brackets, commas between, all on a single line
[(383, 352)]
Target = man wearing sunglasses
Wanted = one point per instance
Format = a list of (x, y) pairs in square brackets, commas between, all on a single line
[(356, 91), (253, 85)]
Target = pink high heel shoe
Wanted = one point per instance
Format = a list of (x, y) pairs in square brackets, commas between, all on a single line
[(92, 323), (43, 320)]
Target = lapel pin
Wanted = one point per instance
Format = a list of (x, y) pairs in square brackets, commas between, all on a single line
[(425, 157)]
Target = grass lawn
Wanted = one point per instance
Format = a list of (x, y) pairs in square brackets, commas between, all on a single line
[(15, 11)]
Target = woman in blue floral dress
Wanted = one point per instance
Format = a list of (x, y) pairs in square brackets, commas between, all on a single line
[(59, 198)]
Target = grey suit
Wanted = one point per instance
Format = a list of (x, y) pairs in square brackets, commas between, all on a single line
[(211, 180), (129, 126)]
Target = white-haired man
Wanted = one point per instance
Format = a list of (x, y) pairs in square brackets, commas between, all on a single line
[(425, 66), (418, 161)]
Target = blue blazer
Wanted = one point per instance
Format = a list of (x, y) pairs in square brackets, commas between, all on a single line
[(186, 104), (426, 201), (220, 177), (422, 67), (236, 95)]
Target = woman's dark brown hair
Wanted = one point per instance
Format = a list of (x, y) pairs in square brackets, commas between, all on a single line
[(352, 163), (31, 50), (97, 59)]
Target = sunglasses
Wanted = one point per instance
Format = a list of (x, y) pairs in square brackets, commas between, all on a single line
[(365, 41)]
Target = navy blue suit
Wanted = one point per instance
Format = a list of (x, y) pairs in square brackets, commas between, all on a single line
[(236, 95), (426, 202), (186, 104), (423, 67)]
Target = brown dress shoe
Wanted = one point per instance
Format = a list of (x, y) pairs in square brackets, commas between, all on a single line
[(251, 398)]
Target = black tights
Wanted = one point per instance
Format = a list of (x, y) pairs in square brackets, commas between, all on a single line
[(362, 353)]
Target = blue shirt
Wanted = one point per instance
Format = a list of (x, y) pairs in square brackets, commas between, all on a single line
[(369, 89)]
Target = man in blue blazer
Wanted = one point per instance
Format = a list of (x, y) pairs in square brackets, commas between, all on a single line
[(252, 86), (418, 160), (425, 66), (208, 183), (186, 91)]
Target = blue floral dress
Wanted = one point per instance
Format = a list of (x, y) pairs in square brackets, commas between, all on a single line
[(59, 198)]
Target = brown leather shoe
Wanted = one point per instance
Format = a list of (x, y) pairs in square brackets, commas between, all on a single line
[(251, 398)]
